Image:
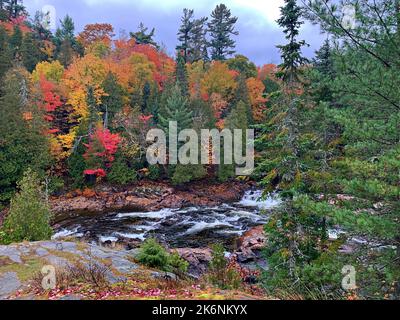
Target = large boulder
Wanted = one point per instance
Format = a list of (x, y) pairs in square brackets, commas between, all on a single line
[(199, 260), (251, 244)]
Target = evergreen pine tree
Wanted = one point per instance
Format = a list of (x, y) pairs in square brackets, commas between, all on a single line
[(323, 74), (66, 31), (289, 246), (3, 11), (242, 95), (181, 75), (66, 53), (362, 104), (5, 53), (184, 34), (16, 42), (221, 28), (113, 102), (76, 162), (142, 36), (176, 109), (66, 43), (29, 216), (22, 143), (198, 45), (291, 52), (30, 52), (237, 119), (39, 30), (15, 8)]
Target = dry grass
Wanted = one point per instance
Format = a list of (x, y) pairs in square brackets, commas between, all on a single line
[(89, 273)]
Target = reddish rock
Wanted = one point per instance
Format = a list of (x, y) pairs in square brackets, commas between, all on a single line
[(250, 244), (198, 259), (148, 196)]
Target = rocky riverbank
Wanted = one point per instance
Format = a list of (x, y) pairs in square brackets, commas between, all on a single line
[(89, 271), (146, 196), (248, 254)]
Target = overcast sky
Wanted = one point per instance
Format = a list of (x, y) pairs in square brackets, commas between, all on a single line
[(259, 32)]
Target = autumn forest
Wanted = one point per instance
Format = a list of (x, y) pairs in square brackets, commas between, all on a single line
[(317, 218)]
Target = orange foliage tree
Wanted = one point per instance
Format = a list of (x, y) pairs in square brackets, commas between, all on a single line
[(196, 72), (88, 71), (219, 79), (98, 32), (20, 22), (258, 101), (162, 65), (268, 71), (218, 105)]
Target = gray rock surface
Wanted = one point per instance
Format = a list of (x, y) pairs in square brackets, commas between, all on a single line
[(9, 283), (60, 246), (123, 265), (11, 252), (41, 252), (57, 261), (115, 263)]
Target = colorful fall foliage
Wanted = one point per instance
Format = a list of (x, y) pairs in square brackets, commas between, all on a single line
[(256, 89), (219, 79), (97, 32), (100, 151)]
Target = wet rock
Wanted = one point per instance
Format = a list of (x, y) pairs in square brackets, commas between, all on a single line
[(148, 196), (198, 259), (9, 283), (250, 245)]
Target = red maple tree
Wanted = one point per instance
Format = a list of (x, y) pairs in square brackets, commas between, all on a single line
[(101, 150)]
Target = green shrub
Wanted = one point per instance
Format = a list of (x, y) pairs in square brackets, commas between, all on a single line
[(55, 184), (186, 173), (177, 264), (221, 274), (76, 162), (121, 173), (154, 172), (29, 217), (225, 172), (153, 255)]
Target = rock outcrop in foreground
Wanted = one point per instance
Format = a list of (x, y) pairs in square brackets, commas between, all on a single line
[(88, 271), (24, 262)]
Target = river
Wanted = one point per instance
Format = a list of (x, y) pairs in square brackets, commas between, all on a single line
[(192, 227)]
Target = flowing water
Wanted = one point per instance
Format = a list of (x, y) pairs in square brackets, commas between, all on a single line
[(192, 227)]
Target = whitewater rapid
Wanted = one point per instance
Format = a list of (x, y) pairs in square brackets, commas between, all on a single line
[(186, 227)]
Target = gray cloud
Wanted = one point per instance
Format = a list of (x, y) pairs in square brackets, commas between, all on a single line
[(259, 34)]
